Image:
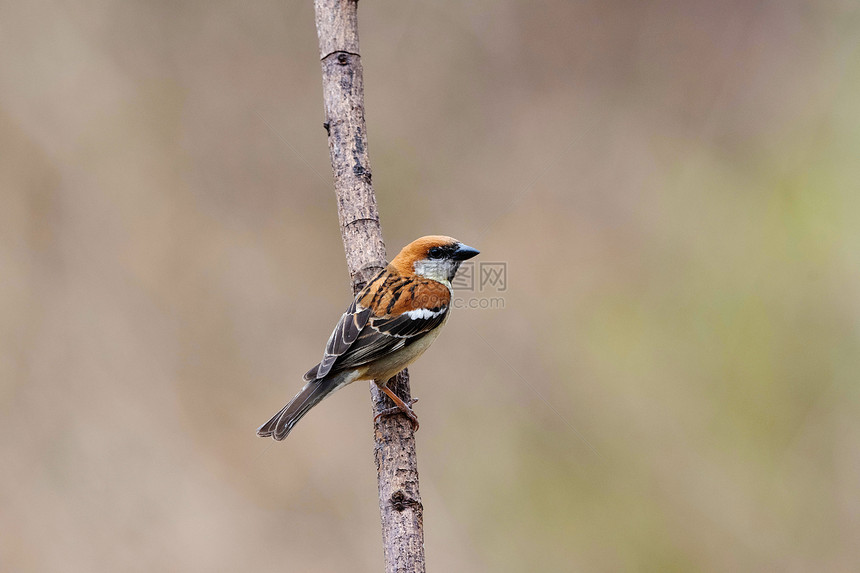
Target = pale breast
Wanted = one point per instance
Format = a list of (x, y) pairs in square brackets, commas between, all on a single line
[(384, 368)]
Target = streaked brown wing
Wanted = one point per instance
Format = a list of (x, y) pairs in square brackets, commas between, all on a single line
[(368, 331), (384, 335), (342, 338), (410, 324)]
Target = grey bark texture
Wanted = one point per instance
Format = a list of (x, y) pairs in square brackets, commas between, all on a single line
[(343, 94)]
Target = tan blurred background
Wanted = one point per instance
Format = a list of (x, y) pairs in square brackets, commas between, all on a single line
[(670, 386)]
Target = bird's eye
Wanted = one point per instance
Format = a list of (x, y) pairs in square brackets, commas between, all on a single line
[(435, 253)]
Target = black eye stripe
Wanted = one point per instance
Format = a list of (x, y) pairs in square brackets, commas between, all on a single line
[(441, 252)]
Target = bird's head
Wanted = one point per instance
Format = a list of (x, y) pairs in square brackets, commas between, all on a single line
[(435, 257)]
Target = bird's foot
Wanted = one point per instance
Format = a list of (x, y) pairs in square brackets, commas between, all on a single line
[(401, 408)]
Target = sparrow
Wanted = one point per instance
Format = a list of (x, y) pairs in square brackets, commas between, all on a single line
[(391, 322)]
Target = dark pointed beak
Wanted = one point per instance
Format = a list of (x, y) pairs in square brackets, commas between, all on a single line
[(464, 252)]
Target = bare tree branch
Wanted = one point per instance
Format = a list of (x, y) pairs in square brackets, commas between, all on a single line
[(343, 93)]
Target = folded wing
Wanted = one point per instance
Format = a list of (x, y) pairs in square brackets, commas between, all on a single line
[(396, 311)]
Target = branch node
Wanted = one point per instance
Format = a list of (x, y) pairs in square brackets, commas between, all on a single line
[(360, 171), (400, 501), (359, 220), (342, 56)]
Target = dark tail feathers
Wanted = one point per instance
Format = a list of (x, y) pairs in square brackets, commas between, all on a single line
[(308, 397)]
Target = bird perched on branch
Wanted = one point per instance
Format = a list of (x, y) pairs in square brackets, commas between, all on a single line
[(391, 322)]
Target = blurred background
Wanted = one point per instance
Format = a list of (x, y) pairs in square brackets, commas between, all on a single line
[(668, 384)]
